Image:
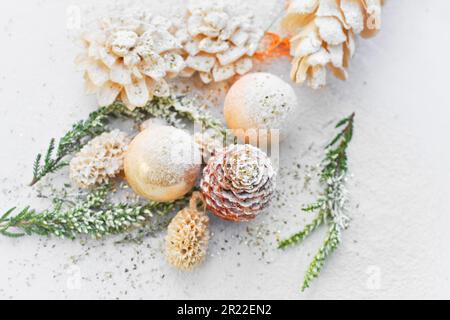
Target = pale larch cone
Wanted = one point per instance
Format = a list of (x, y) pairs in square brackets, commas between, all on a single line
[(323, 35), (129, 56), (238, 183), (100, 160), (218, 43), (188, 236)]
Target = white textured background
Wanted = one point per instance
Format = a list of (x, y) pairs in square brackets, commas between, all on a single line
[(397, 244)]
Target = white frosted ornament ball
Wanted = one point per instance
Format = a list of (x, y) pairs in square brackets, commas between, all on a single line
[(257, 104), (162, 163)]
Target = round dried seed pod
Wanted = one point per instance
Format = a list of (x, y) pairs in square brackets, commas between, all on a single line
[(188, 235)]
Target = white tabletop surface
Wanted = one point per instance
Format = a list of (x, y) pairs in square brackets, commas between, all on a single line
[(397, 246)]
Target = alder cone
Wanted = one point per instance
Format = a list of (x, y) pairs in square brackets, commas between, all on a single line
[(238, 183)]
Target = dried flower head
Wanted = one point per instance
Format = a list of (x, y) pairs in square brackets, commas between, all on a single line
[(323, 35), (188, 236), (129, 55), (100, 160), (218, 43)]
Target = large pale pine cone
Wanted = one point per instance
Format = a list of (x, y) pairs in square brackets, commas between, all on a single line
[(129, 55), (238, 183), (188, 236), (323, 35), (218, 43)]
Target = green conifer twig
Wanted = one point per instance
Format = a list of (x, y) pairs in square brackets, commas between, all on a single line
[(331, 205), (95, 216)]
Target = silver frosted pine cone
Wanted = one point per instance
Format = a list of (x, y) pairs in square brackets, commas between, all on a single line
[(238, 183)]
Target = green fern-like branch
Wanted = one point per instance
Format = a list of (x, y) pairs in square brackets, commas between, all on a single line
[(302, 235), (330, 244), (331, 205), (94, 216), (171, 109)]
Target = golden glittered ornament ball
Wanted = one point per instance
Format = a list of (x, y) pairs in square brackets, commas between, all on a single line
[(188, 235), (238, 183), (260, 108), (162, 163)]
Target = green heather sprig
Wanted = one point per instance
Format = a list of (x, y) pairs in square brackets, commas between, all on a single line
[(95, 216), (171, 109), (331, 205)]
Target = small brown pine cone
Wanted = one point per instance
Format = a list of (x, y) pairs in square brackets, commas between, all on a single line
[(188, 236), (238, 183)]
